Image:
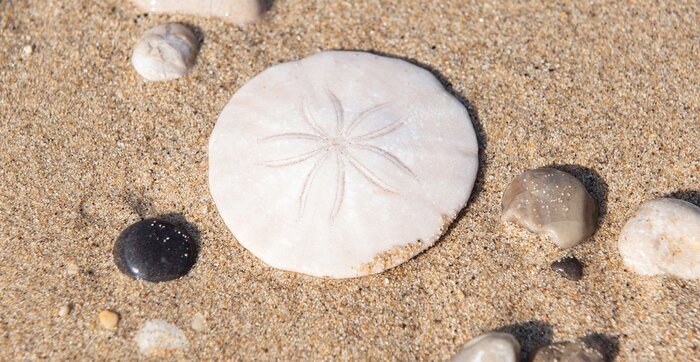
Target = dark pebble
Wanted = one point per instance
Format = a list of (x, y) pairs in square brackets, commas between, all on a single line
[(570, 267), (154, 250)]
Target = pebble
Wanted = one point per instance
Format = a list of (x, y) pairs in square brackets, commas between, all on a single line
[(348, 151), (72, 269), (108, 319), (662, 237), (570, 267), (64, 310), (199, 324), (567, 352), (157, 336), (154, 250), (27, 49), (551, 202), (238, 12), (491, 347), (165, 52)]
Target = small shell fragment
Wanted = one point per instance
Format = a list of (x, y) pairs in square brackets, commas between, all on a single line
[(157, 336), (165, 52), (491, 347), (552, 202), (663, 236)]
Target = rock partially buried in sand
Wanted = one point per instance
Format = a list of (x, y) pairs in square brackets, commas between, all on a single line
[(165, 52), (158, 336), (342, 164), (663, 236), (234, 11), (567, 352), (491, 347), (552, 202)]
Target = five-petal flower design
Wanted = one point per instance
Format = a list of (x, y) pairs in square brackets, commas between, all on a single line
[(340, 147)]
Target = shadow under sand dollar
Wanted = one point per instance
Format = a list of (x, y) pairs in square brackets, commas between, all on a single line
[(594, 183), (691, 196), (531, 335)]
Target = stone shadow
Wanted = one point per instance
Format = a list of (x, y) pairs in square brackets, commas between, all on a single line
[(692, 196), (531, 335), (609, 346)]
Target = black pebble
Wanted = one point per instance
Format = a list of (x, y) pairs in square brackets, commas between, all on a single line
[(154, 250), (570, 267)]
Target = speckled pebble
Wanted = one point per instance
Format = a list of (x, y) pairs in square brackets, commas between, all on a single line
[(567, 352), (491, 347), (552, 202), (154, 250), (569, 267), (663, 236)]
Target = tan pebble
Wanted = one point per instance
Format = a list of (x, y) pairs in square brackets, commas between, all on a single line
[(199, 323), (72, 269), (108, 319), (27, 49), (64, 310), (535, 200)]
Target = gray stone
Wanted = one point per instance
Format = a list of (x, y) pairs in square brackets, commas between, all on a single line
[(552, 202), (567, 352), (491, 347)]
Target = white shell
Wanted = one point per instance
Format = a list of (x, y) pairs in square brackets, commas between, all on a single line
[(234, 11), (157, 336), (341, 164), (165, 52), (663, 236), (490, 347)]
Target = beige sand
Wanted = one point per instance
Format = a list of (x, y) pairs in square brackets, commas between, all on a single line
[(86, 148)]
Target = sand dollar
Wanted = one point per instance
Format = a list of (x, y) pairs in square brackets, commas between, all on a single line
[(341, 164)]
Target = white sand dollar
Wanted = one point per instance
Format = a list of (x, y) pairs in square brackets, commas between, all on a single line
[(341, 164)]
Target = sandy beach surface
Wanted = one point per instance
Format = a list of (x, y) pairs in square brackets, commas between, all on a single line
[(609, 91)]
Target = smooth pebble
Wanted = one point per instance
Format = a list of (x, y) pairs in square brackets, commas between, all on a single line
[(108, 319), (569, 267), (199, 323), (552, 202), (567, 352), (165, 52), (154, 250), (491, 347), (64, 310), (663, 236)]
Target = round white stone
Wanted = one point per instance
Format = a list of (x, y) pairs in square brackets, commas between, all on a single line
[(663, 236), (341, 164), (490, 347), (165, 52)]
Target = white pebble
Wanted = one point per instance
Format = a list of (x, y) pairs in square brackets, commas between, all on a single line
[(165, 52), (663, 236), (199, 324), (28, 49), (491, 347), (158, 336)]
